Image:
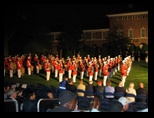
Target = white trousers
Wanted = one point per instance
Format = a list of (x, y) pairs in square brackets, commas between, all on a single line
[(100, 73), (60, 77), (90, 78), (81, 74), (56, 73), (29, 71), (19, 73), (74, 78), (123, 80), (47, 76), (69, 74), (37, 69), (104, 80), (95, 76), (11, 73)]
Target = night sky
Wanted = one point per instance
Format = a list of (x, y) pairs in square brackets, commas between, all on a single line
[(24, 23), (53, 17)]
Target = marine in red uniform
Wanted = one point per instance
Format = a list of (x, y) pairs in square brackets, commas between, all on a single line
[(124, 72), (19, 66), (28, 64), (105, 72), (90, 71), (47, 69)]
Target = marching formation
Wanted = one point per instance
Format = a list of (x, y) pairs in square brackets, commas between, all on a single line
[(89, 67)]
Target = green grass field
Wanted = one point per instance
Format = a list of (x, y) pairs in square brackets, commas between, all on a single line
[(138, 73)]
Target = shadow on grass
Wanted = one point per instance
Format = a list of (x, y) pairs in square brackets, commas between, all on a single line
[(86, 80), (145, 66), (118, 73), (41, 76), (116, 78), (113, 82)]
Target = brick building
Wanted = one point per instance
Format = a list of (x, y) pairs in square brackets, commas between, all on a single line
[(134, 24), (91, 37)]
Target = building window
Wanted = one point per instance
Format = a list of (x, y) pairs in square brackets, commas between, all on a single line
[(134, 17), (145, 16), (87, 35), (119, 32), (93, 35), (106, 34), (138, 16), (98, 35), (124, 17), (130, 33), (128, 17), (143, 33)]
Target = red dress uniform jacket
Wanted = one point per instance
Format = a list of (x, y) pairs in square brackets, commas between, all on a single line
[(69, 65), (123, 70), (90, 71), (19, 65), (61, 70), (82, 67), (47, 67), (28, 63)]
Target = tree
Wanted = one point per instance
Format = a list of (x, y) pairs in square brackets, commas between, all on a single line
[(117, 40), (69, 40), (94, 51), (143, 47), (35, 47), (22, 28), (104, 50), (10, 25)]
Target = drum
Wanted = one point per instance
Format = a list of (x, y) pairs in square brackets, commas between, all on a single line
[(32, 68), (22, 70), (40, 67), (12, 66)]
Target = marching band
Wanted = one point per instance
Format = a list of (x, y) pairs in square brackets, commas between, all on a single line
[(91, 67)]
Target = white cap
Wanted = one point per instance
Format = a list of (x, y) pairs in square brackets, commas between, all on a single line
[(90, 82), (124, 101), (24, 86), (123, 61)]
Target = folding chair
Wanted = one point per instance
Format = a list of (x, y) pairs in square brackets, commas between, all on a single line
[(99, 94), (45, 103), (141, 98), (80, 91), (109, 95), (140, 106), (11, 105), (89, 94), (131, 107), (104, 104), (83, 103), (117, 95), (130, 95)]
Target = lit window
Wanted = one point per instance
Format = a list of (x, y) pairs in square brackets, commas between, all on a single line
[(130, 33), (98, 35), (143, 33), (87, 35)]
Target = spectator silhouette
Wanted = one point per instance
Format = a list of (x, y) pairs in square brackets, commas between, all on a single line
[(30, 104), (67, 101), (71, 87)]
